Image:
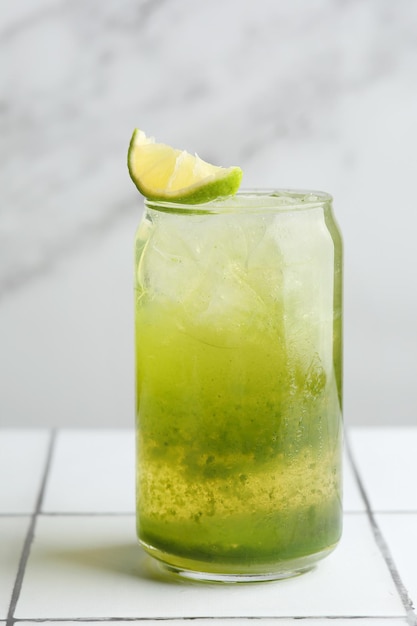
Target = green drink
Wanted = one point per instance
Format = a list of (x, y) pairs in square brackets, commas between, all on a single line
[(238, 353)]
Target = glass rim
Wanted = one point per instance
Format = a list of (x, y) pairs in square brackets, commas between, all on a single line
[(307, 199)]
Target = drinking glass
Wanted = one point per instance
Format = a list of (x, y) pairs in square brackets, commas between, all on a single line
[(238, 306)]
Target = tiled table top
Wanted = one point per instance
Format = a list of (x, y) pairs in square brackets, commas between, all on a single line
[(68, 551)]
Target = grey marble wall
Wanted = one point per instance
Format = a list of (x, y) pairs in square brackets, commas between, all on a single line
[(300, 93)]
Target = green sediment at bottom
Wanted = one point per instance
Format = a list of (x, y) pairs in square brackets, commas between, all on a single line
[(248, 539)]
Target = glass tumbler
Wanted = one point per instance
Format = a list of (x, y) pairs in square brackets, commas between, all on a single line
[(238, 307)]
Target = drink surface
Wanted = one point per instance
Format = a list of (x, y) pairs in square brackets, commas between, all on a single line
[(238, 382)]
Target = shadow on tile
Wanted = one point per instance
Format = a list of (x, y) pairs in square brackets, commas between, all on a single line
[(126, 559)]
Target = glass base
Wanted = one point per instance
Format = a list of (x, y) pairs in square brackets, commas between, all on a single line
[(198, 571)]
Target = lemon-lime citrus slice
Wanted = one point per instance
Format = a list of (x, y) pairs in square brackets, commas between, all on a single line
[(167, 174)]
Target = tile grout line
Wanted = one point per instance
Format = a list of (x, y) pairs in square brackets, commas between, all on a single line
[(75, 513), (86, 513), (30, 534), (382, 544), (227, 618)]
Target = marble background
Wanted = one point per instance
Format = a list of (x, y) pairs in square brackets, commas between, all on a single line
[(300, 93)]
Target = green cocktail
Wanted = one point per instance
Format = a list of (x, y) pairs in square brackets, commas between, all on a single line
[(238, 352)]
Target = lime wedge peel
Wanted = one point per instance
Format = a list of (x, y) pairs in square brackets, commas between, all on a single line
[(163, 173)]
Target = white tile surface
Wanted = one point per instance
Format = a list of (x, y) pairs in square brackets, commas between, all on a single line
[(400, 533), (92, 472), (387, 462), (12, 535), (22, 461), (352, 499), (95, 569)]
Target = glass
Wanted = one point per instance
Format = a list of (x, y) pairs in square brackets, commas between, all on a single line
[(239, 384)]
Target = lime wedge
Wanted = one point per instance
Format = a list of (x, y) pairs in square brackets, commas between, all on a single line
[(164, 173)]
